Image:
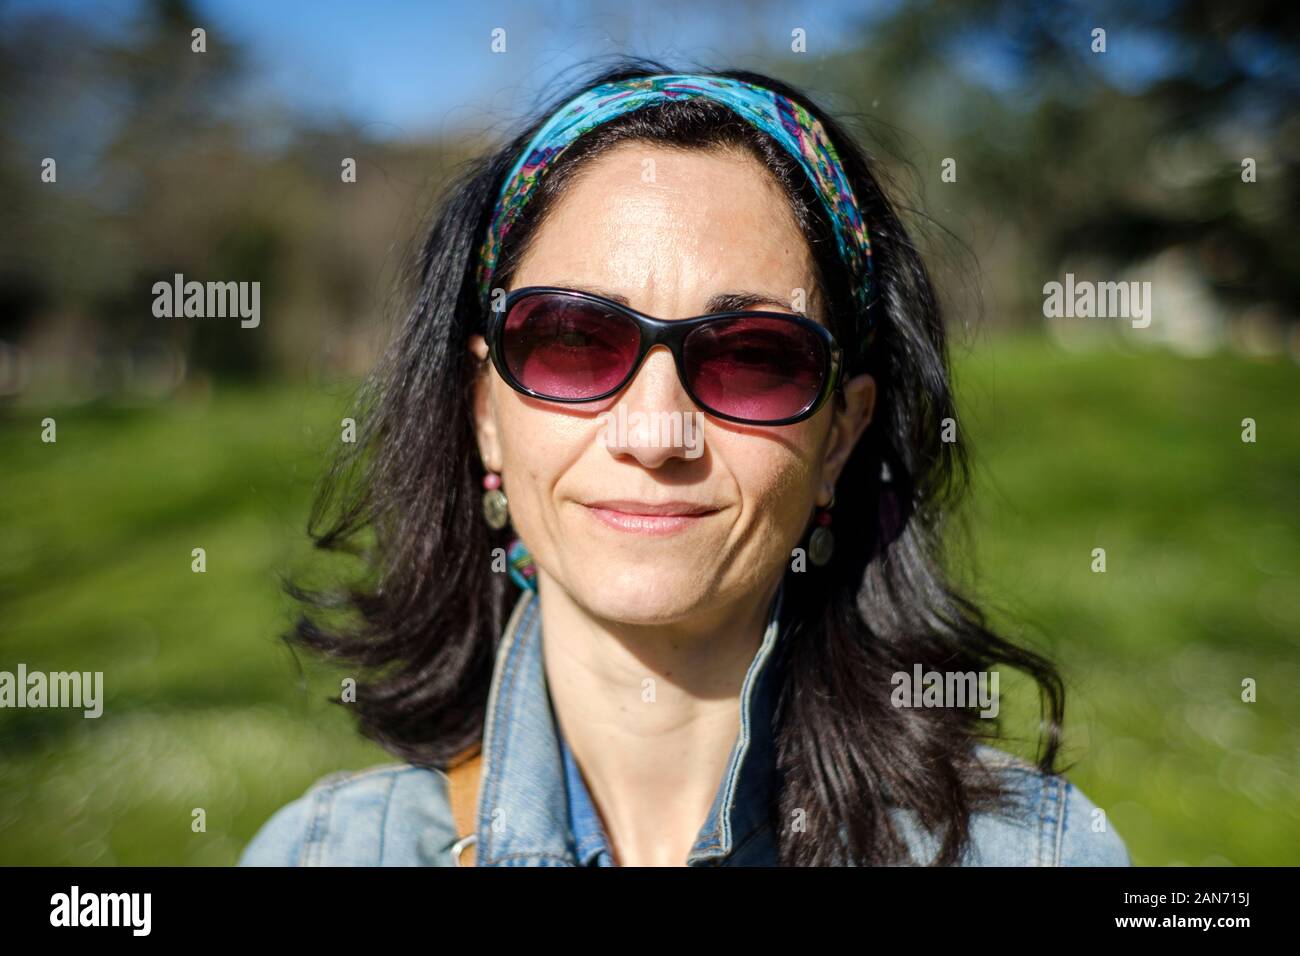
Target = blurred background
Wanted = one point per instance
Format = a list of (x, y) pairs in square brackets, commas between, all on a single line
[(172, 434)]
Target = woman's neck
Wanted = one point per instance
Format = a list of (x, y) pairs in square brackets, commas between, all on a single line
[(651, 713)]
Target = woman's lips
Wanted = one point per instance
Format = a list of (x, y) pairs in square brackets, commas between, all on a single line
[(656, 519)]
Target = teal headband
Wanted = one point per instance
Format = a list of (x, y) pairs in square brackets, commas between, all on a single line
[(797, 130)]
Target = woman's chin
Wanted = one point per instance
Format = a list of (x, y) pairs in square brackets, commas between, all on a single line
[(640, 593)]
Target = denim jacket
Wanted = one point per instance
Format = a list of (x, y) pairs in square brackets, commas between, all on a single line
[(534, 809)]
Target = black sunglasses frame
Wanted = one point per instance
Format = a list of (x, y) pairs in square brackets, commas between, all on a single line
[(672, 334)]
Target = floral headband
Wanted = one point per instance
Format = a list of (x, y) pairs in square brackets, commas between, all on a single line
[(797, 130)]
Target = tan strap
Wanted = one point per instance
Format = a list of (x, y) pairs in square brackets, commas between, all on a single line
[(462, 791)]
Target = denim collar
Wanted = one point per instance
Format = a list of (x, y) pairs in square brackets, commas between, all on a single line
[(591, 843), (523, 811)]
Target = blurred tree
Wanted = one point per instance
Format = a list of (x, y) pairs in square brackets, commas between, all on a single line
[(1065, 153), (1065, 158)]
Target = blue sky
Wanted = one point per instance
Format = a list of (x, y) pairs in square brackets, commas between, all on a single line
[(409, 69), (405, 69)]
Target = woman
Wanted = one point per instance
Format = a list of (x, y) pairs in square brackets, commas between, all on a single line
[(670, 400)]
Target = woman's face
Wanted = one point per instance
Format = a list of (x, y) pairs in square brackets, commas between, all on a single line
[(667, 230)]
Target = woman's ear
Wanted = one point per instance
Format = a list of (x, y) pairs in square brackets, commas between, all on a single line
[(851, 418), (485, 417)]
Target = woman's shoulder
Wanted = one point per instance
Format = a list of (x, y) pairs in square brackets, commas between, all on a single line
[(1050, 821), (393, 814), (1047, 821), (398, 815)]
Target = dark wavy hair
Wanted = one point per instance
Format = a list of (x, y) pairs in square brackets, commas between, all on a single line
[(426, 614)]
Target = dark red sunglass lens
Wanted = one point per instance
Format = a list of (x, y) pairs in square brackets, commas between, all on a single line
[(758, 369), (567, 347)]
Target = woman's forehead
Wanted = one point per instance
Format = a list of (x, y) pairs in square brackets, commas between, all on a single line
[(670, 228)]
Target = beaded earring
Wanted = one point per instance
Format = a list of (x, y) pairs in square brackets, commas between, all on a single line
[(496, 509), (822, 543)]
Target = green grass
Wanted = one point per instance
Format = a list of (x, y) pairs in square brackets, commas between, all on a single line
[(1139, 454), (204, 706)]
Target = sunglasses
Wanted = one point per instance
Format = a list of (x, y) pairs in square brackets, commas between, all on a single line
[(754, 368)]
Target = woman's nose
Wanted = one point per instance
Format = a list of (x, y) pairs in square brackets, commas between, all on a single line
[(654, 419)]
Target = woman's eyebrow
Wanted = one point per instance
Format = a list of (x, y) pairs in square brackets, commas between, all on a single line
[(743, 301), (722, 302)]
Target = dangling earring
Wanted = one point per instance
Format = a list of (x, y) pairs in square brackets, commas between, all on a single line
[(822, 543), (495, 506)]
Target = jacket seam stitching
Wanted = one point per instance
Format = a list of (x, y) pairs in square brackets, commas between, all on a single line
[(347, 776), (508, 687), (1063, 818), (1049, 831), (312, 848), (566, 861), (1044, 798), (383, 819), (504, 733)]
